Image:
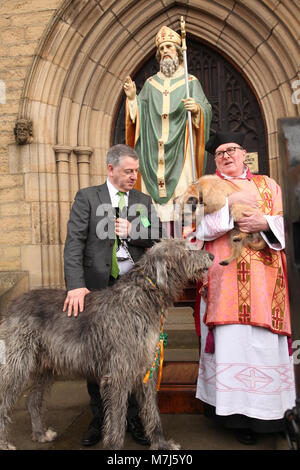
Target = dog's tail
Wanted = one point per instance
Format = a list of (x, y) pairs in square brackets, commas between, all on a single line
[(227, 261), (235, 253)]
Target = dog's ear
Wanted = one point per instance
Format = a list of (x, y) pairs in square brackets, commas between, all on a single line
[(201, 196), (162, 272)]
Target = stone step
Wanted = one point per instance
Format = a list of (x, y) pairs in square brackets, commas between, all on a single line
[(180, 315), (182, 339), (181, 354), (180, 329), (177, 394)]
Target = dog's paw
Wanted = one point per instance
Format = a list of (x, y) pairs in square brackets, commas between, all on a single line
[(165, 445), (173, 445), (48, 436), (224, 263), (6, 446)]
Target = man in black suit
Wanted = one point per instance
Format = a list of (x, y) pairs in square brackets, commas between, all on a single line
[(98, 230)]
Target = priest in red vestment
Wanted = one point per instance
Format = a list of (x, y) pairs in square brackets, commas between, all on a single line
[(246, 376)]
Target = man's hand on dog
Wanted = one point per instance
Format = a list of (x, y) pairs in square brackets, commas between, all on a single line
[(75, 301)]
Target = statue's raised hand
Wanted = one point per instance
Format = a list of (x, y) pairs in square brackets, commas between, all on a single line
[(130, 88)]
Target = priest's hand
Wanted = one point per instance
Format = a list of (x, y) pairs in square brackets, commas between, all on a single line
[(253, 222), (130, 88), (190, 105)]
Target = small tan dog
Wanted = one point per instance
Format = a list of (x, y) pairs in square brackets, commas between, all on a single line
[(211, 191)]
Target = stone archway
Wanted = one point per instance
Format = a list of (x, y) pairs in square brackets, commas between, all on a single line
[(75, 85)]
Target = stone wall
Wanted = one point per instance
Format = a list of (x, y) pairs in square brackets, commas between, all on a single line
[(22, 24)]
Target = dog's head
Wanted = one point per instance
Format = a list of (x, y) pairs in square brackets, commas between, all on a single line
[(188, 209), (192, 197), (177, 260)]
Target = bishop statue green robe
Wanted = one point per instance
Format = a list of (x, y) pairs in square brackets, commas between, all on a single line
[(160, 133)]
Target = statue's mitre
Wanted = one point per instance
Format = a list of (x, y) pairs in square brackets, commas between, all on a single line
[(166, 34)]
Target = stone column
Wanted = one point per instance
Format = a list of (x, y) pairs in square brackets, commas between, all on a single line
[(83, 161), (62, 154)]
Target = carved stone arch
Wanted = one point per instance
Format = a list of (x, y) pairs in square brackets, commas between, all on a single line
[(74, 89)]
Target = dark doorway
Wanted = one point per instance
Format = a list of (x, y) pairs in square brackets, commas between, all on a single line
[(235, 106)]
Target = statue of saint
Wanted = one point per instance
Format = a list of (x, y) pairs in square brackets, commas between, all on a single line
[(157, 125)]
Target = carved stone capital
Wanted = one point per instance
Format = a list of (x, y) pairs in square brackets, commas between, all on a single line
[(62, 152), (83, 154)]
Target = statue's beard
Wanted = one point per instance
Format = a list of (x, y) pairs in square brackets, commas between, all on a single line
[(169, 66)]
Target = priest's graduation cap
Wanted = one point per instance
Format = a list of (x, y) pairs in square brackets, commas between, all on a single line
[(220, 138)]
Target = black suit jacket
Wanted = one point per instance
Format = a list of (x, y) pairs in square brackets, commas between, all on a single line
[(88, 249)]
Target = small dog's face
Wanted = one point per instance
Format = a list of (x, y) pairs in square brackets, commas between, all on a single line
[(188, 208), (191, 197)]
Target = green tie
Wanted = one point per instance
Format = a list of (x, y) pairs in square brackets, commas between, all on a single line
[(114, 269), (122, 202)]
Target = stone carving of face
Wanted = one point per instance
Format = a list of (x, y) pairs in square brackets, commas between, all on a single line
[(23, 131)]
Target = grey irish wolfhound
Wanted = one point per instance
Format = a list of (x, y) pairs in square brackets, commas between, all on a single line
[(113, 341)]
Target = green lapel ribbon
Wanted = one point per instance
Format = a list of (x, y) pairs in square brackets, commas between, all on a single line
[(144, 219)]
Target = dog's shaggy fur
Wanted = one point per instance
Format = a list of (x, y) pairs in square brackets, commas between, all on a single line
[(112, 342), (211, 191)]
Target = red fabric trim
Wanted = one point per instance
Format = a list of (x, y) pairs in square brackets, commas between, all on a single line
[(197, 309)]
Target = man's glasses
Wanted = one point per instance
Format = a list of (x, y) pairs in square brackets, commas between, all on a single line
[(230, 151)]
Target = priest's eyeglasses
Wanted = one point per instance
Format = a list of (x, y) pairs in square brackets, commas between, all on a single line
[(230, 151)]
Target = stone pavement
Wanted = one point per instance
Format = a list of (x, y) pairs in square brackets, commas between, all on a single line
[(69, 414)]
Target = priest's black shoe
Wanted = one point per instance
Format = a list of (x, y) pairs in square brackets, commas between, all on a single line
[(135, 427), (246, 436), (92, 435)]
